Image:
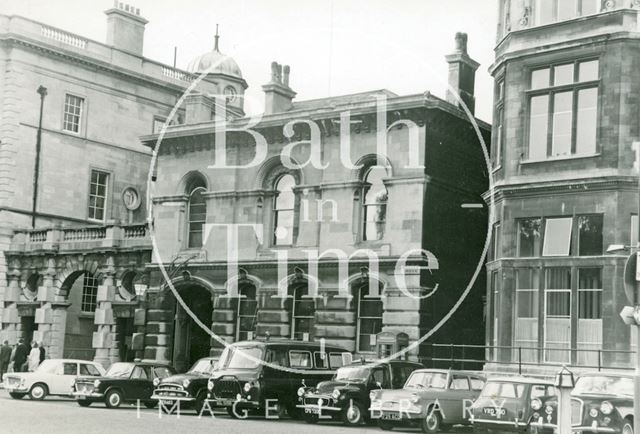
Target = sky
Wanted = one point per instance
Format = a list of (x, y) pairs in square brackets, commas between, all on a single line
[(334, 47)]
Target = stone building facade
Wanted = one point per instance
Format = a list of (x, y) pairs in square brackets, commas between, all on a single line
[(566, 187), (293, 220)]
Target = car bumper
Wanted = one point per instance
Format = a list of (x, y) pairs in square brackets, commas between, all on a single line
[(584, 429), (16, 389), (395, 415), (83, 396), (318, 409), (166, 398), (500, 425), (241, 403)]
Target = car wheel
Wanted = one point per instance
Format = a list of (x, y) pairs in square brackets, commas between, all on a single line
[(16, 395), (353, 414), (385, 425), (627, 428), (150, 404), (113, 399), (38, 392), (84, 402), (432, 423)]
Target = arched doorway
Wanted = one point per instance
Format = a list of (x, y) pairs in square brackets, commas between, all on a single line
[(82, 290), (190, 341)]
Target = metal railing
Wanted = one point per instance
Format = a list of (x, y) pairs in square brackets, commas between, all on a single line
[(477, 356)]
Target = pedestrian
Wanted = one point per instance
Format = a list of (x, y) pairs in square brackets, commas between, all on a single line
[(20, 357), (34, 357), (5, 358), (42, 352)]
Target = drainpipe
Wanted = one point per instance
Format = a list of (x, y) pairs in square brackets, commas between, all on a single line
[(36, 173)]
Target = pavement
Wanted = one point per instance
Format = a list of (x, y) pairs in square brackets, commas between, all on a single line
[(61, 415)]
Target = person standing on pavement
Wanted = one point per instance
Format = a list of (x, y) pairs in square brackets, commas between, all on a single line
[(5, 357), (20, 358), (34, 357), (42, 352)]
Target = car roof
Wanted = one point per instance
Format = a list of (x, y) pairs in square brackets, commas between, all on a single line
[(290, 343), (521, 380), (453, 371), (74, 361)]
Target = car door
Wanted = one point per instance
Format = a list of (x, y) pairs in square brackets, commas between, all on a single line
[(140, 385), (452, 400), (63, 378)]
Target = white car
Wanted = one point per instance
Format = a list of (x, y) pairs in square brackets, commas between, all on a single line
[(52, 377)]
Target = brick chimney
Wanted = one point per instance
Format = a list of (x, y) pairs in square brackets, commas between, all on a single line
[(462, 74), (125, 28), (278, 96)]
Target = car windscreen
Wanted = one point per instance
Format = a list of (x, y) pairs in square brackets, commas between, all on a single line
[(47, 366), (119, 370), (503, 390), (203, 366), (603, 385), (423, 380), (244, 358), (353, 373)]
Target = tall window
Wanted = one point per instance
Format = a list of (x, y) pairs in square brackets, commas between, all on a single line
[(557, 330), (526, 327), (563, 110), (73, 106), (496, 151), (369, 316), (590, 235), (375, 204), (589, 338), (89, 293), (529, 236), (247, 313), (496, 243), (284, 211), (98, 188), (197, 216), (549, 11), (302, 313)]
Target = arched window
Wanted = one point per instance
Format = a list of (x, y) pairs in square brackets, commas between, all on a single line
[(368, 314), (247, 312), (302, 313), (197, 214), (374, 213), (283, 210)]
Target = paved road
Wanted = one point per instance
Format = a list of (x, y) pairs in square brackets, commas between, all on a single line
[(65, 416)]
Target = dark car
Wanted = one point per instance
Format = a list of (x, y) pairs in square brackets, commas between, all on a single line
[(431, 399), (123, 382), (600, 403), (190, 388), (346, 395), (505, 403), (265, 375)]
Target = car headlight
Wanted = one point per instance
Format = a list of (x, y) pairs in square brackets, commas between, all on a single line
[(335, 394), (606, 407), (593, 412), (247, 386), (301, 392), (536, 404), (96, 383), (210, 385), (548, 409), (415, 398), (186, 383), (156, 382)]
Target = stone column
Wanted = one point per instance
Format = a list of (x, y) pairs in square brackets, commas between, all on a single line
[(159, 326), (272, 315), (103, 337), (223, 321), (50, 316), (10, 317), (336, 320)]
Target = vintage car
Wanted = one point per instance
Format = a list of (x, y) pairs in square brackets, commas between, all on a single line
[(347, 395), (52, 377), (504, 404), (123, 382), (431, 399), (600, 403), (265, 375), (190, 388)]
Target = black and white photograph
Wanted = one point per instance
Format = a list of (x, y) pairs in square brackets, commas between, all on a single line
[(320, 216)]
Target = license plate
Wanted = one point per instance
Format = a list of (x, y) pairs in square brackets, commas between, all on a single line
[(493, 411), (391, 416), (167, 403), (312, 410), (225, 402)]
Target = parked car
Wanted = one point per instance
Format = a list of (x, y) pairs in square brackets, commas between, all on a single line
[(189, 388), (346, 396), (51, 377), (505, 403), (431, 399), (599, 403), (123, 382), (251, 376)]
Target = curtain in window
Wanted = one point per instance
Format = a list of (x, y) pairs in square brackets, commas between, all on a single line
[(557, 327), (589, 338), (526, 327)]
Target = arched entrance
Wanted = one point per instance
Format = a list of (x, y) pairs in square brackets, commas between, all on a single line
[(190, 341), (82, 289)]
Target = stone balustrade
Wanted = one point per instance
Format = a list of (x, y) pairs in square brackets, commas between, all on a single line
[(107, 236)]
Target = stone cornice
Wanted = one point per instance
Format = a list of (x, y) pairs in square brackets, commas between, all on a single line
[(171, 198)]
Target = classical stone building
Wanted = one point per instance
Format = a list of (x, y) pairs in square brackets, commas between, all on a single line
[(293, 218), (81, 244), (566, 116)]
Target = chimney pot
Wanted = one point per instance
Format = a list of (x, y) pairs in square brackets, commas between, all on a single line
[(462, 75), (278, 96), (125, 28), (285, 75)]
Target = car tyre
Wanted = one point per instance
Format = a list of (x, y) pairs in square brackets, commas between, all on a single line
[(84, 402), (16, 395), (432, 423), (385, 425), (38, 391), (354, 414), (627, 426), (113, 399)]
